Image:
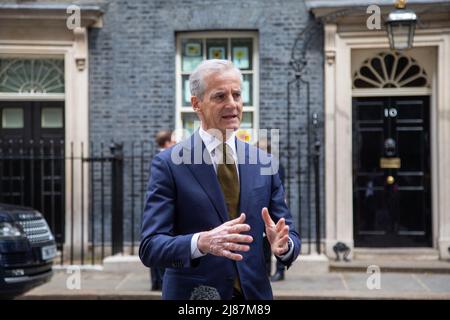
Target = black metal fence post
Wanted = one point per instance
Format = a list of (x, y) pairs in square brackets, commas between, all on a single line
[(316, 156), (117, 198)]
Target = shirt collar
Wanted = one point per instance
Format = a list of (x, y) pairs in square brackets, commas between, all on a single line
[(211, 142)]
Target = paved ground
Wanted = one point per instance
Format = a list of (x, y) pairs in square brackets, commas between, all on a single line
[(95, 284)]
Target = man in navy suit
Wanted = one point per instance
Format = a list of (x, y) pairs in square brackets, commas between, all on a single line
[(209, 201)]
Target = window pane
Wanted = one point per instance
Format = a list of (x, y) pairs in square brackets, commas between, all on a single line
[(217, 48), (241, 50), (186, 98), (12, 118), (32, 75), (247, 120), (51, 118), (192, 54), (191, 122), (247, 90)]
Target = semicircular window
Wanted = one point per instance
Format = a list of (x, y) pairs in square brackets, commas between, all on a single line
[(390, 70), (32, 76)]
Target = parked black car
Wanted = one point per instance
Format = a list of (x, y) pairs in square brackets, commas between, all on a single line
[(27, 250)]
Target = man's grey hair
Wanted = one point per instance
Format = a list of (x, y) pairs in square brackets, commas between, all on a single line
[(205, 68)]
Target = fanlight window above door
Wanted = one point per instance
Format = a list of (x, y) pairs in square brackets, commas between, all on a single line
[(390, 70), (31, 76)]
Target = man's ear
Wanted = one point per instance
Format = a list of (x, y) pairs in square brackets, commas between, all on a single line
[(195, 102)]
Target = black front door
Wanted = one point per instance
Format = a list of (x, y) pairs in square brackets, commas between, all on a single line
[(32, 158), (391, 172)]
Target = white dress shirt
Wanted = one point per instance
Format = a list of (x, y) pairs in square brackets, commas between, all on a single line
[(211, 143)]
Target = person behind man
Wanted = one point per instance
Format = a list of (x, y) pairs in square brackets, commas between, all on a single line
[(207, 205), (263, 145), (164, 140), (280, 267)]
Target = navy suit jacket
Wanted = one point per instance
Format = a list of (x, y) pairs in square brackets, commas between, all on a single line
[(183, 199)]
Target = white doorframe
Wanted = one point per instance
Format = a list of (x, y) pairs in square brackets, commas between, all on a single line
[(338, 132), (76, 71)]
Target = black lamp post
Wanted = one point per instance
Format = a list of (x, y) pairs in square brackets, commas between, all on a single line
[(401, 24)]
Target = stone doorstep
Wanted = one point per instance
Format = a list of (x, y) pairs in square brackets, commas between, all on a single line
[(410, 254), (309, 264), (418, 260), (123, 264), (391, 266)]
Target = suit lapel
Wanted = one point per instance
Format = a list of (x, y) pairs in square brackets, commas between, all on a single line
[(204, 173)]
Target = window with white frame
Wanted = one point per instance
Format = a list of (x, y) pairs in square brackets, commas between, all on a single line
[(238, 47), (31, 76)]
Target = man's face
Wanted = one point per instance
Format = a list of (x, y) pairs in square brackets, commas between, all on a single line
[(221, 107), (168, 144)]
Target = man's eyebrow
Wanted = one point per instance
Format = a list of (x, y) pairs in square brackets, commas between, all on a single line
[(222, 91), (216, 93)]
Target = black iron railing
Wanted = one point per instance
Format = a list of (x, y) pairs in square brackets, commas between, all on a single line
[(93, 203), (307, 126), (92, 195)]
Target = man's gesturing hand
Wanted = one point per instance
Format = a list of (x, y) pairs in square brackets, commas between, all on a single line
[(225, 239), (277, 234)]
